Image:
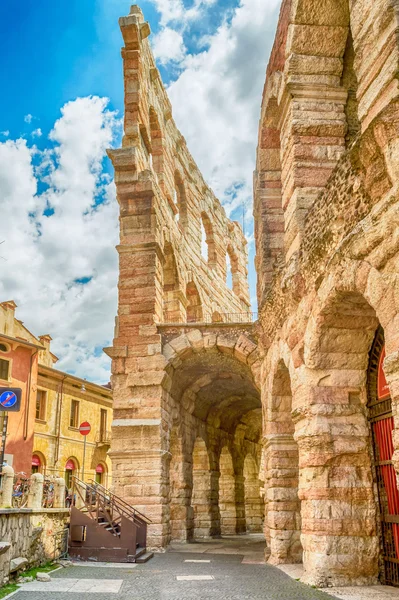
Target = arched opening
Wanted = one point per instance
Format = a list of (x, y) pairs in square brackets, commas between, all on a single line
[(227, 494), (173, 308), (232, 278), (181, 525), (382, 425), (71, 470), (282, 474), (216, 396), (156, 142), (101, 474), (217, 317), (208, 251), (201, 493), (194, 306), (335, 444), (254, 509), (38, 463), (180, 199)]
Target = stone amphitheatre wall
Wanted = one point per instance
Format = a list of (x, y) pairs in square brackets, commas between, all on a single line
[(164, 202), (326, 211), (187, 417)]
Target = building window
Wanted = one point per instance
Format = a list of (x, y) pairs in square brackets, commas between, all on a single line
[(74, 418), (4, 369), (4, 348), (103, 425), (70, 471), (41, 401)]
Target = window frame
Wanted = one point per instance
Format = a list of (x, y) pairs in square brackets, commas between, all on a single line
[(42, 407), (9, 370), (74, 414)]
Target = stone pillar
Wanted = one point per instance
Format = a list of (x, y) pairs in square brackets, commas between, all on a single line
[(282, 502), (312, 141), (227, 494), (240, 501), (59, 493), (339, 537), (7, 486), (268, 212), (35, 496)]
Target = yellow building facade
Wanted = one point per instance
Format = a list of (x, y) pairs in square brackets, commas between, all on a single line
[(63, 403), (44, 435)]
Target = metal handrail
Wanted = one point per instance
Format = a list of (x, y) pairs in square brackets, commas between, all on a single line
[(108, 503), (103, 437), (214, 319), (118, 500)]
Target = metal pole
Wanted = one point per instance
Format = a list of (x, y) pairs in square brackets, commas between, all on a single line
[(3, 439), (84, 456)]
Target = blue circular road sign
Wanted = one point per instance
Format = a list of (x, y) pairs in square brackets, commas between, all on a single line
[(8, 399)]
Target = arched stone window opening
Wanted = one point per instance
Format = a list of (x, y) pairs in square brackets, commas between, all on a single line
[(194, 306), (204, 244), (254, 506), (145, 142), (201, 493), (232, 277), (180, 199), (173, 307), (156, 160), (217, 317), (179, 490), (227, 494), (208, 251), (350, 83), (283, 508)]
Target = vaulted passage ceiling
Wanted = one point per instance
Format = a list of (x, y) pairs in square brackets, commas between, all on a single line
[(217, 388)]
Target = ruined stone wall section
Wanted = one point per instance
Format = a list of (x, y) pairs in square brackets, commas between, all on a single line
[(322, 304), (305, 113), (155, 153)]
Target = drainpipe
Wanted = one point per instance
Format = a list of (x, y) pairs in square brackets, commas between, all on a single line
[(26, 416), (58, 421)]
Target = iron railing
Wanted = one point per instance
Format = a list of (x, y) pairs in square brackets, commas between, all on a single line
[(103, 437), (99, 500), (214, 319)]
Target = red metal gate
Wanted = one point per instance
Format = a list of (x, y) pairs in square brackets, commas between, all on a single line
[(381, 420)]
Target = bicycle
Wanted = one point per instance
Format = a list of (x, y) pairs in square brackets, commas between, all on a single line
[(20, 490)]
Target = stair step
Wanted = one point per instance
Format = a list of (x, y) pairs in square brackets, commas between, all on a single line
[(140, 551), (144, 557)]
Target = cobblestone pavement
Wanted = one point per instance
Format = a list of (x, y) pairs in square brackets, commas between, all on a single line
[(225, 577)]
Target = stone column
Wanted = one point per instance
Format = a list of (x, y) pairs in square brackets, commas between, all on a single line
[(282, 502), (59, 493), (35, 496), (7, 486), (339, 537)]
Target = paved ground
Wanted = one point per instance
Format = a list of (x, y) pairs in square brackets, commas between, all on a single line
[(169, 577), (228, 569)]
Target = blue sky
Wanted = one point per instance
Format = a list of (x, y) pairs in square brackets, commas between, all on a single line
[(60, 59)]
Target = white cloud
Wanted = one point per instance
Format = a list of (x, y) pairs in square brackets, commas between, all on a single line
[(168, 46), (5, 133), (28, 118), (216, 100), (37, 133), (47, 255)]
